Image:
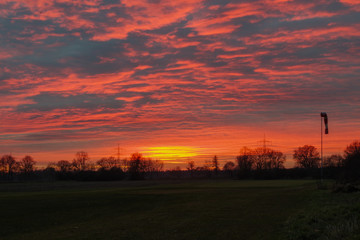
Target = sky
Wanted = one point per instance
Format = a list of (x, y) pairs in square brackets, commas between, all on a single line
[(177, 80)]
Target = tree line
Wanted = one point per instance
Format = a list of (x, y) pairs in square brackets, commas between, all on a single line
[(9, 165), (260, 162)]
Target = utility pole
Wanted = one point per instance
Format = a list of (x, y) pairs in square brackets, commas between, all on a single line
[(323, 115), (118, 159), (321, 171), (264, 141), (118, 153)]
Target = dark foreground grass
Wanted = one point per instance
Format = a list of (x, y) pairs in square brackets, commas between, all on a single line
[(328, 216), (157, 210)]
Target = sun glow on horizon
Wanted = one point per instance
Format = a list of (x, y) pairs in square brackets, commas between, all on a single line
[(171, 153)]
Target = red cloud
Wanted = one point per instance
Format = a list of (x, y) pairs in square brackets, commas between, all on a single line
[(146, 16), (183, 72)]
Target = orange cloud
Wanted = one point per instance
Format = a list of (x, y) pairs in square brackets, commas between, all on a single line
[(87, 75), (147, 16)]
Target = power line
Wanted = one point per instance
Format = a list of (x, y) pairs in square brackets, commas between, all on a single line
[(118, 152), (264, 141)]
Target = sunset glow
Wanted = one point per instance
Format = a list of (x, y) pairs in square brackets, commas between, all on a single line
[(171, 153), (176, 80)]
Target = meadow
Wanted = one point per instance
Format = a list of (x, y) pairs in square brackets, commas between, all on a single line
[(201, 209)]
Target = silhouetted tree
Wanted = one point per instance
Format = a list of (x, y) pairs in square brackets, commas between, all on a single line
[(137, 166), (124, 164), (158, 165), (27, 164), (334, 160), (8, 164), (245, 160), (352, 161), (64, 166), (107, 163), (229, 166), (215, 164), (307, 156), (50, 172), (80, 160), (51, 165), (353, 150), (260, 158), (275, 159), (204, 170), (153, 166), (190, 166), (207, 166), (264, 160), (267, 158)]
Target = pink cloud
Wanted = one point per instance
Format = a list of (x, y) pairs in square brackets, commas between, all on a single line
[(189, 74), (147, 16), (305, 35)]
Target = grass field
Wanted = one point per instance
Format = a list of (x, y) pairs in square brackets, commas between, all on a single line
[(226, 209)]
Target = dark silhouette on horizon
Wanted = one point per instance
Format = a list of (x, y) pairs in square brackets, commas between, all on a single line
[(258, 163)]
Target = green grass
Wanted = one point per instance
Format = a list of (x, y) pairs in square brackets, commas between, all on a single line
[(328, 216), (157, 210)]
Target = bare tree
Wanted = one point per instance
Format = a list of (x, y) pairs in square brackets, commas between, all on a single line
[(229, 166), (80, 161), (27, 164), (334, 160), (137, 166), (64, 166), (275, 159), (108, 163), (307, 156), (353, 150), (207, 166), (352, 161), (190, 166), (8, 164), (246, 159), (260, 157), (154, 165), (215, 164), (51, 165)]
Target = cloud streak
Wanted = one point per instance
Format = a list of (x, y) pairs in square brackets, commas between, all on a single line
[(200, 74)]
